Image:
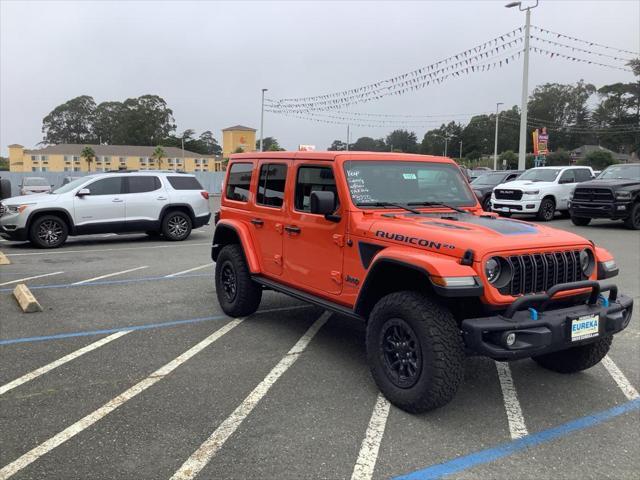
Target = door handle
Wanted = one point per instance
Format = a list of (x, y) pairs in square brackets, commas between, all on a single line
[(292, 229), (117, 200), (161, 198), (257, 221)]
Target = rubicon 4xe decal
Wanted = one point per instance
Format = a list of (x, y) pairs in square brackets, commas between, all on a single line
[(421, 242)]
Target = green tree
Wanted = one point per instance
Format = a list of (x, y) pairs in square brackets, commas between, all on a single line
[(337, 146), (619, 107), (239, 150), (558, 158), (4, 163), (89, 156), (403, 141), (478, 136), (147, 119), (109, 123), (269, 144), (511, 159), (368, 144), (598, 159), (71, 122), (159, 155), (210, 145)]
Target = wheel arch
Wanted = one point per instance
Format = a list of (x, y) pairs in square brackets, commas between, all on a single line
[(181, 207), (60, 212), (231, 232)]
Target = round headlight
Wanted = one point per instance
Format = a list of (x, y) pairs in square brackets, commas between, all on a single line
[(492, 268), (586, 261)]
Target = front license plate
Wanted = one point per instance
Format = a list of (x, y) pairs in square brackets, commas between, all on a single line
[(585, 327)]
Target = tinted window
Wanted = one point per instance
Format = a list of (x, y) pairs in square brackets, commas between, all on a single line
[(106, 186), (313, 179), (568, 176), (185, 183), (582, 175), (143, 184), (238, 182), (271, 184)]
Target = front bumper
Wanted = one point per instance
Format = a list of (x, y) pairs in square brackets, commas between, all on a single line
[(551, 331), (17, 234), (612, 210), (515, 206)]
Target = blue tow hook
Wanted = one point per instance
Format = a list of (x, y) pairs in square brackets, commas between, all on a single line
[(604, 301), (534, 313)]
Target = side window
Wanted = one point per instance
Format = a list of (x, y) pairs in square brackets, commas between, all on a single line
[(143, 184), (511, 177), (567, 177), (106, 186), (271, 184), (582, 175), (313, 179), (239, 181)]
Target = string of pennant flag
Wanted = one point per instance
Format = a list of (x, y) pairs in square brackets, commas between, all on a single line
[(553, 54), (578, 49), (586, 42)]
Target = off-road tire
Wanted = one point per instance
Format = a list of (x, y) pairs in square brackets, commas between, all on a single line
[(247, 294), (48, 231), (575, 359), (580, 221), (633, 220), (486, 204), (547, 209), (439, 344), (176, 226)]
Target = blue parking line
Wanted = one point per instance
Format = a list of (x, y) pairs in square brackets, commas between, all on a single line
[(110, 282), (11, 341), (506, 449)]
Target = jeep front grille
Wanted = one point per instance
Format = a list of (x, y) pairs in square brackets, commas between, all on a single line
[(538, 272), (508, 194), (602, 195)]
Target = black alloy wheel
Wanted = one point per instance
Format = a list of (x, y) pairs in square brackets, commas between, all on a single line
[(486, 204), (229, 282), (48, 231), (547, 209), (176, 226), (633, 220), (402, 353)]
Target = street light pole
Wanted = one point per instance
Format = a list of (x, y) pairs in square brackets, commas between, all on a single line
[(522, 149), (262, 119), (347, 138), (446, 139), (495, 145)]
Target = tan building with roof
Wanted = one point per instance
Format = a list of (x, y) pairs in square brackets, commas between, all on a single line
[(237, 137), (67, 158)]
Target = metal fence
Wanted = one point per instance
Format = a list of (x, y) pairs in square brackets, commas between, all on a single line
[(211, 181)]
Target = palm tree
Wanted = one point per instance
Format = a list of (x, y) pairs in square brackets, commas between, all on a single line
[(89, 155), (158, 154)]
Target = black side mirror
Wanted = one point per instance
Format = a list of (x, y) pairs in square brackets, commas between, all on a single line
[(324, 203)]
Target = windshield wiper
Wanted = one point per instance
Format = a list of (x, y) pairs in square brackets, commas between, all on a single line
[(437, 204), (387, 204)]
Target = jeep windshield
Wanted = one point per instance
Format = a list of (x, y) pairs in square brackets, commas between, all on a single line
[(540, 174), (630, 172), (418, 184)]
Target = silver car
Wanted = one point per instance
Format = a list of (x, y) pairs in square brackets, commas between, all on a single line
[(32, 185)]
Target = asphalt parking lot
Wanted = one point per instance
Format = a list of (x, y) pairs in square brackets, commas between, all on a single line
[(133, 371)]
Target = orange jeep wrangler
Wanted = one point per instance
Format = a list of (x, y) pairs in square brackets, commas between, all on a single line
[(401, 242)]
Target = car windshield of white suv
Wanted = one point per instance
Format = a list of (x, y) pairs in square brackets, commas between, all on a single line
[(540, 174), (631, 172), (71, 185), (35, 182), (383, 183)]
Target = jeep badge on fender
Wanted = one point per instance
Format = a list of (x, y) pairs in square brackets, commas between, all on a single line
[(401, 242)]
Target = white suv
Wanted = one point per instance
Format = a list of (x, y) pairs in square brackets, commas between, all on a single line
[(540, 191), (152, 202)]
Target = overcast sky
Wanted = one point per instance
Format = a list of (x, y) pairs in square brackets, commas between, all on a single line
[(209, 59)]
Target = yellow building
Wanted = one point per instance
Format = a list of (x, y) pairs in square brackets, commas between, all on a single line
[(68, 158), (237, 137)]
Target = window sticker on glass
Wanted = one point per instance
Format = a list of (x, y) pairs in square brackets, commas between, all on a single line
[(409, 176)]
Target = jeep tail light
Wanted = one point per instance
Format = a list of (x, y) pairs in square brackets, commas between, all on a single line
[(205, 195)]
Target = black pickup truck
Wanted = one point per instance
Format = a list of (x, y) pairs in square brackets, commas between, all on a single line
[(615, 194)]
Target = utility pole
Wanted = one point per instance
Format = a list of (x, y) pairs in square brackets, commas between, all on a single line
[(446, 139), (495, 145), (184, 166), (347, 138), (262, 119), (460, 149), (522, 149)]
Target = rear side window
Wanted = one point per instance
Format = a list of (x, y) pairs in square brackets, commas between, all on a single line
[(106, 186), (143, 184), (568, 176), (313, 179), (184, 183), (271, 184), (239, 181), (582, 175)]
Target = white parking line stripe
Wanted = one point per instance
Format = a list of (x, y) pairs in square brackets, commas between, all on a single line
[(368, 455), (517, 427), (199, 459), (30, 278), (61, 361), (190, 270), (624, 384), (109, 275), (60, 252), (84, 423)]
